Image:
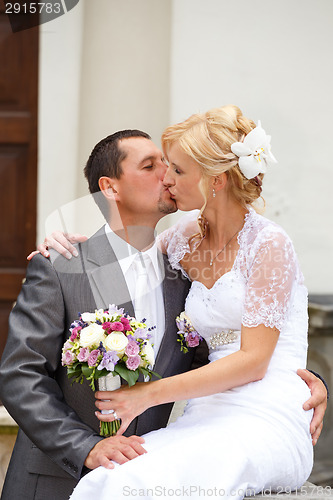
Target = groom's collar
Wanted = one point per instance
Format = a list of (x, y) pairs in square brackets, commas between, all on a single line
[(126, 253)]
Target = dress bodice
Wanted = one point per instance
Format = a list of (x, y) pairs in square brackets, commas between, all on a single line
[(264, 286)]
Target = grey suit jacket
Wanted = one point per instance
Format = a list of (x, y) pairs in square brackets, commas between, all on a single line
[(57, 424)]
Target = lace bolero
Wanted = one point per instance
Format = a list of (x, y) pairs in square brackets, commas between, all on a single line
[(266, 263)]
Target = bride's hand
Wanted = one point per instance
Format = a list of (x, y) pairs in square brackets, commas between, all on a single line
[(61, 242), (126, 402)]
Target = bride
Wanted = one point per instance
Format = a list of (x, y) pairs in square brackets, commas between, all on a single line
[(244, 429)]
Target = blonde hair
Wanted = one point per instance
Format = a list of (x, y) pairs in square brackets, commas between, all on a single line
[(207, 139)]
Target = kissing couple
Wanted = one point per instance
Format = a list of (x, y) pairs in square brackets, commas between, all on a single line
[(236, 276)]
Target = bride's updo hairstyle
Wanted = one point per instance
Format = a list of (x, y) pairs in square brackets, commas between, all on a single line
[(207, 139)]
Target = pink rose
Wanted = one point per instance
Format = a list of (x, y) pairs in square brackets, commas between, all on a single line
[(67, 358), (132, 348), (93, 356), (83, 354), (192, 341), (67, 345), (75, 333), (133, 362)]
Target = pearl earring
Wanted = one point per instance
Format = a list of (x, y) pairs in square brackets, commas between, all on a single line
[(214, 194)]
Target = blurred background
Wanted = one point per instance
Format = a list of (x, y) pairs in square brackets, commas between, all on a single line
[(113, 64)]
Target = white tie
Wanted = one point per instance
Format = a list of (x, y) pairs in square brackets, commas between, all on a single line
[(142, 289)]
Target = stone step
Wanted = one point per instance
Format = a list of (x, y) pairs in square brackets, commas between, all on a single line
[(308, 491), (8, 431)]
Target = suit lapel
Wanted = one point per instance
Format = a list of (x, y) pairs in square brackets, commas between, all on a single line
[(171, 309)]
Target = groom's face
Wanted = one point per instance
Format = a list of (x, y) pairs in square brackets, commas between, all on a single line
[(140, 191)]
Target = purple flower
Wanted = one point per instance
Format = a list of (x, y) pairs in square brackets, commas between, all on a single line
[(74, 325), (141, 333), (67, 358), (114, 309), (133, 362), (110, 359), (101, 348), (83, 354), (93, 356), (132, 348), (181, 325)]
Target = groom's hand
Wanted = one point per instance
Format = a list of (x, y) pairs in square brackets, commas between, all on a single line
[(121, 449), (318, 402)]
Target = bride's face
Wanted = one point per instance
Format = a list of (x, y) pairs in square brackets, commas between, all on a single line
[(182, 179)]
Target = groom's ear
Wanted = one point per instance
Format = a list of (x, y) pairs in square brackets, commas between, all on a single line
[(107, 187)]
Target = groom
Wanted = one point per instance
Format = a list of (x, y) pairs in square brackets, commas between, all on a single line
[(59, 437), (59, 433)]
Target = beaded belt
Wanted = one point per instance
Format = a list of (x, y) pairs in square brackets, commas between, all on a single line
[(223, 338)]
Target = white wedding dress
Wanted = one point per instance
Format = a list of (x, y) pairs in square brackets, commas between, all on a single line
[(248, 439)]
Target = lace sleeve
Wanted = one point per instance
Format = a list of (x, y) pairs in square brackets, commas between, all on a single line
[(271, 276), (174, 241)]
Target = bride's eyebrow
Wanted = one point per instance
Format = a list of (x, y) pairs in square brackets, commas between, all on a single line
[(175, 165)]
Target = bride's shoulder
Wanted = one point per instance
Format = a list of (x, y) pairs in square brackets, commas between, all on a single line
[(262, 234)]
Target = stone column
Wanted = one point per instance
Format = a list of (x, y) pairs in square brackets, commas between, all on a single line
[(320, 359)]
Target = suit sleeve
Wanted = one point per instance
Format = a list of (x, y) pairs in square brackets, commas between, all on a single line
[(28, 387)]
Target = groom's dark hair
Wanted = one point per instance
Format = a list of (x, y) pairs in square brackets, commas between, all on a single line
[(106, 157), (105, 160)]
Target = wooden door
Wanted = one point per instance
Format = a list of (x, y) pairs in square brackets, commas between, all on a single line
[(18, 159)]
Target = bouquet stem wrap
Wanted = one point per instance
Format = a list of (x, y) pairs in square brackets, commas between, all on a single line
[(109, 383)]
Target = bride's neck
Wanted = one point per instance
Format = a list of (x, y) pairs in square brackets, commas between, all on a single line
[(224, 220)]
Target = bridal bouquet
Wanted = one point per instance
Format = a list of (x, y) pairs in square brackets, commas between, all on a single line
[(188, 336), (108, 343)]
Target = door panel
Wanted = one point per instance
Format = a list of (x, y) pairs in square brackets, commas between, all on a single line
[(18, 159)]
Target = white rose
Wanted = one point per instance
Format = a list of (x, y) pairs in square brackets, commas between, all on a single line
[(88, 317), (91, 335), (148, 351), (116, 341)]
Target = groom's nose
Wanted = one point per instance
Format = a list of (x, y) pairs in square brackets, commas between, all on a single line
[(161, 171)]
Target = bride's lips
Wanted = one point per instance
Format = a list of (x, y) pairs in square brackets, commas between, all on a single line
[(171, 195)]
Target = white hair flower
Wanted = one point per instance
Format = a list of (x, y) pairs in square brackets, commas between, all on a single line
[(254, 152)]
